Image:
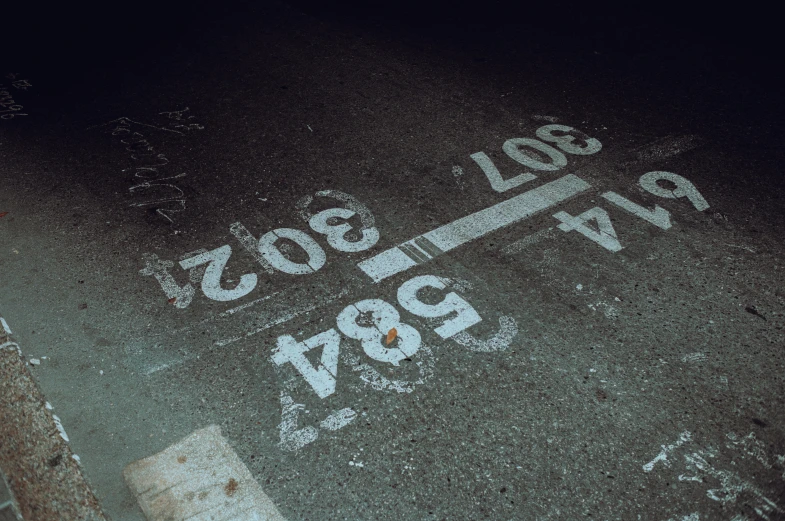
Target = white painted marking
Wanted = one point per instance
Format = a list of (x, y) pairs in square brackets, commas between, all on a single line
[(466, 315), (659, 217), (668, 147), (605, 236), (293, 438), (211, 281), (286, 317), (751, 446), (379, 382), (5, 326), (251, 244), (684, 437), (731, 485), (566, 141), (512, 147), (339, 419), (322, 380), (478, 224), (160, 270), (336, 234), (199, 478), (494, 176), (684, 188), (501, 341), (366, 217), (527, 241), (60, 427), (694, 357), (385, 318), (316, 255)]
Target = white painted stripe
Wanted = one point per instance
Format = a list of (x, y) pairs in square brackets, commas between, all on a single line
[(200, 478), (474, 226), (5, 325)]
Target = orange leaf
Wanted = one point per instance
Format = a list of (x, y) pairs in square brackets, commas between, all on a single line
[(172, 300), (3, 214), (391, 334)]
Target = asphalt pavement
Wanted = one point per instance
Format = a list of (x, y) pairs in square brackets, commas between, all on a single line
[(448, 263)]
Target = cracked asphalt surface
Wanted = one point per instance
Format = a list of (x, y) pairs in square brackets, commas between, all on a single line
[(630, 372)]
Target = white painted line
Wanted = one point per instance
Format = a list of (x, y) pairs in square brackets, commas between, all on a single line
[(5, 326), (283, 319), (199, 478), (450, 236)]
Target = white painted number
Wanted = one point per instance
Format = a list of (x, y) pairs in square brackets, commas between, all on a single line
[(466, 314), (322, 380), (605, 236), (336, 233), (492, 173), (683, 188), (568, 142), (211, 281), (384, 318), (659, 217), (512, 147), (271, 253)]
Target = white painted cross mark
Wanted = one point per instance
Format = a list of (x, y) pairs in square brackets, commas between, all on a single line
[(449, 236)]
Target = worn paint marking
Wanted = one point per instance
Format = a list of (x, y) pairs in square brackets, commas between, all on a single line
[(449, 236), (200, 477)]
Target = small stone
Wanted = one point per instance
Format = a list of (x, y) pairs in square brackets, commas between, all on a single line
[(35, 361)]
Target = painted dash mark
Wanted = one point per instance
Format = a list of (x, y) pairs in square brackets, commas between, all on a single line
[(449, 236)]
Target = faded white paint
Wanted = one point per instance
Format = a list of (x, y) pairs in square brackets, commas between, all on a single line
[(529, 240), (474, 226), (211, 281), (662, 457), (385, 318), (160, 270), (321, 379), (605, 236), (567, 142), (373, 378), (339, 419), (684, 188), (500, 341), (268, 249), (668, 147), (466, 316), (293, 438), (250, 244), (494, 176), (659, 217), (200, 478), (336, 234)]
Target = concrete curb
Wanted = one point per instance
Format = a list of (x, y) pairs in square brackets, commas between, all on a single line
[(39, 466)]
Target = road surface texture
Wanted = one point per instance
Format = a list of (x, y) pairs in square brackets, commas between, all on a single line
[(490, 263)]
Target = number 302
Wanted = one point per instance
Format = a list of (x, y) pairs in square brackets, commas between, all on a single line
[(372, 335)]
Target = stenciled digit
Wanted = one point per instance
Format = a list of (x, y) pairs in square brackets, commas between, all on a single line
[(271, 253), (384, 318), (336, 233), (568, 139), (466, 316), (211, 281)]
